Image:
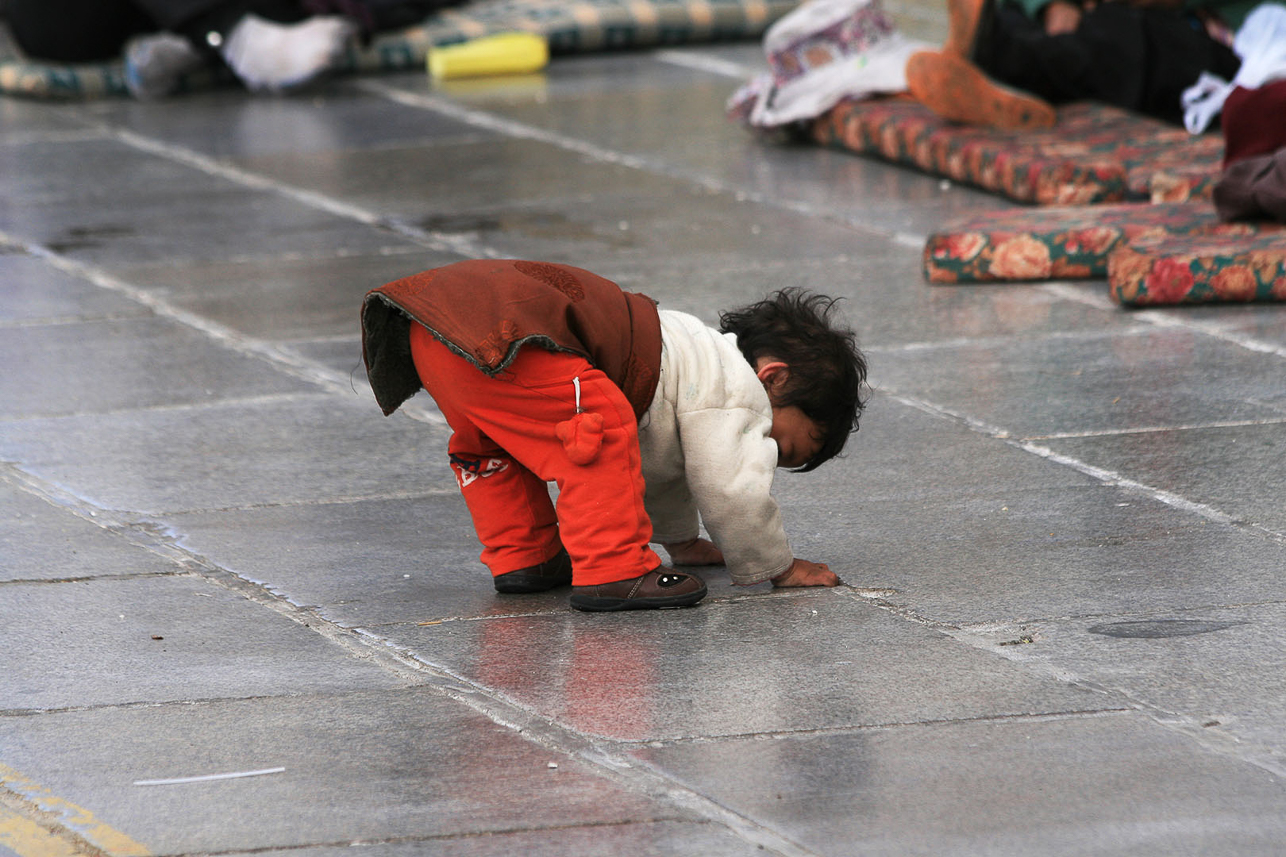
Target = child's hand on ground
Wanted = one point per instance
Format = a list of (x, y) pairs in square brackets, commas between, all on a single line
[(805, 573), (696, 551)]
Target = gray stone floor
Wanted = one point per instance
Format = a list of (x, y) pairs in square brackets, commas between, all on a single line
[(1062, 527)]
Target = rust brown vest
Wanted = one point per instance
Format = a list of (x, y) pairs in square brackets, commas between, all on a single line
[(486, 309)]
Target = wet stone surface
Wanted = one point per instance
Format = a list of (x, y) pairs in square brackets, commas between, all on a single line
[(1060, 528)]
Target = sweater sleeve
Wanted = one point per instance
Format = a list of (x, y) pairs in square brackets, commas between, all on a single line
[(707, 449), (729, 461)]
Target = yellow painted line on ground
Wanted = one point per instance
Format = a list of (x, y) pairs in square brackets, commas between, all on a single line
[(29, 839), (25, 838)]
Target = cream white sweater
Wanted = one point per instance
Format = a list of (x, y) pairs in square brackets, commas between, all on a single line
[(706, 451)]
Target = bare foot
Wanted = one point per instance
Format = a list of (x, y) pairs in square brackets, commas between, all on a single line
[(698, 551)]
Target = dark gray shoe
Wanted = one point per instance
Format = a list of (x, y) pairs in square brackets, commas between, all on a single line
[(660, 587), (553, 572)]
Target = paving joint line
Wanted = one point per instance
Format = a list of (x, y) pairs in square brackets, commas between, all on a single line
[(828, 731), (1158, 317), (138, 704), (1214, 424), (411, 839), (1088, 335), (1101, 474)]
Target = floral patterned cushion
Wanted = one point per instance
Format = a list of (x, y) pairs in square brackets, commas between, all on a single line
[(1094, 153), (1058, 243), (570, 26), (1166, 270)]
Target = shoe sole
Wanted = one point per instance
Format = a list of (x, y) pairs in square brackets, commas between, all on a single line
[(526, 587), (597, 604)]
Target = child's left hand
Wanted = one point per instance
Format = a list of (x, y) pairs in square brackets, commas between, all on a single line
[(697, 551)]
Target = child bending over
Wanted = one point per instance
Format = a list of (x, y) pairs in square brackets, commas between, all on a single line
[(649, 421)]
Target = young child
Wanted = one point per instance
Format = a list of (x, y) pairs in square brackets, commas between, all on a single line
[(649, 422)]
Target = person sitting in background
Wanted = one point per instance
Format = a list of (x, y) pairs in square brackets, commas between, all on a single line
[(1007, 65), (270, 45)]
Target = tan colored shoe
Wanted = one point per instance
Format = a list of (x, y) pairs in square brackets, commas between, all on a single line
[(956, 89), (660, 587)]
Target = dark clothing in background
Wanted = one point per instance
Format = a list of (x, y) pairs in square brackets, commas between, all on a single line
[(1253, 188), (97, 30), (1135, 58)]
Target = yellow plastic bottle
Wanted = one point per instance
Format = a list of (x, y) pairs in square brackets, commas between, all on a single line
[(503, 53)]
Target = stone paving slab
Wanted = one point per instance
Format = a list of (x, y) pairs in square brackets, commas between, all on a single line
[(1113, 784), (762, 664), (587, 101), (105, 203), (1025, 553), (156, 639), (1238, 469), (226, 124), (397, 765), (1259, 322), (279, 300), (362, 564), (39, 541), (35, 292), (87, 171), (62, 369), (1221, 669), (467, 177), (235, 223), (230, 224), (902, 453), (342, 355), (307, 448), (24, 120), (882, 298), (523, 201), (1093, 383)]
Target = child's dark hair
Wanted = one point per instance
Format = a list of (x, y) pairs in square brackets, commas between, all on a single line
[(827, 371)]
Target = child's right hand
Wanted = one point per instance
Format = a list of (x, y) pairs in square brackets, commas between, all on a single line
[(805, 573)]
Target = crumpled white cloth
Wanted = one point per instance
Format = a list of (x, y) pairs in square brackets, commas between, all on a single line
[(1260, 43), (873, 62)]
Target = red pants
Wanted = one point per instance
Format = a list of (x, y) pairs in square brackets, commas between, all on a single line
[(504, 450)]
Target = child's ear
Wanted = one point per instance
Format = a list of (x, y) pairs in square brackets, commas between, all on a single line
[(773, 373)]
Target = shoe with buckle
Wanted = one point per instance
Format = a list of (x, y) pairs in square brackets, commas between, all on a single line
[(659, 588), (553, 572)]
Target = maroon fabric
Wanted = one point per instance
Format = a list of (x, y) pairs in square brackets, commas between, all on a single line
[(485, 310), (1253, 189), (1254, 121)]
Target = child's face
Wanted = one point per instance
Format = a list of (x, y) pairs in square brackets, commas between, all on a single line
[(798, 438)]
